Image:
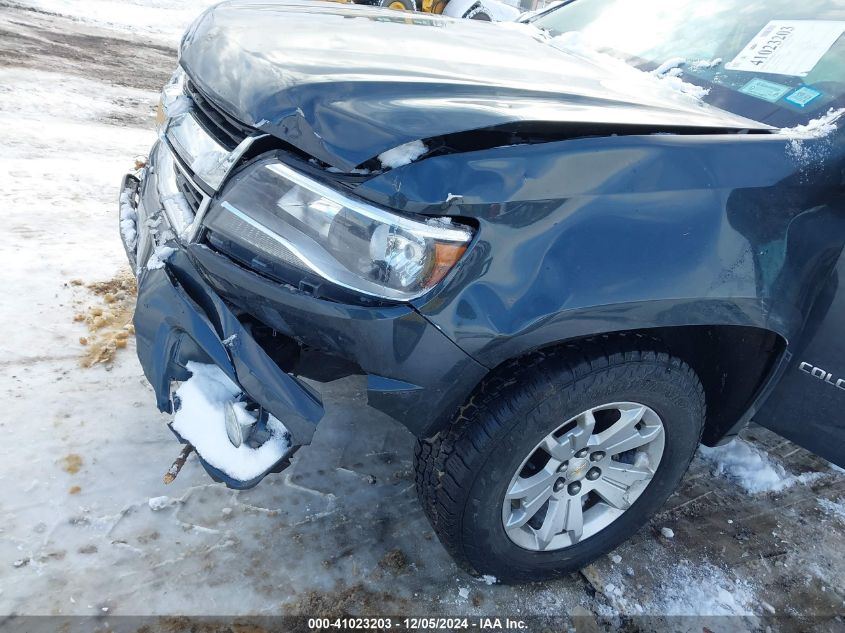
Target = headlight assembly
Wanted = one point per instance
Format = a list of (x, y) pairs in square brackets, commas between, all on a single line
[(279, 214)]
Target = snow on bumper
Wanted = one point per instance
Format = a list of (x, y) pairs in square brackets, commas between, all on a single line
[(200, 419), (128, 216), (179, 319)]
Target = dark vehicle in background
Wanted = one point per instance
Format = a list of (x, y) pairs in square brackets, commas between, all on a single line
[(557, 269)]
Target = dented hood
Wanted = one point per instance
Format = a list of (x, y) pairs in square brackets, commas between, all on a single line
[(344, 83)]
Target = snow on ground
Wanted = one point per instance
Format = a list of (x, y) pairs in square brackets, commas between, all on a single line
[(162, 20), (684, 589), (59, 166), (706, 590), (834, 508), (752, 468)]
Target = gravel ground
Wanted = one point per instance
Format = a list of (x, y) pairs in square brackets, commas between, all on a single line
[(338, 532)]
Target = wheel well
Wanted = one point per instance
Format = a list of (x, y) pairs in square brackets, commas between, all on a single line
[(732, 362)]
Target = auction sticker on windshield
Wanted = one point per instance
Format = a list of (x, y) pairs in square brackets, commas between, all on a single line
[(803, 96), (766, 90), (788, 47)]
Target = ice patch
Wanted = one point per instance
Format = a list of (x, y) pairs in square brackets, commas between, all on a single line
[(833, 508), (200, 420), (402, 155), (751, 468), (679, 589), (159, 256), (706, 590), (487, 579), (160, 503), (667, 532)]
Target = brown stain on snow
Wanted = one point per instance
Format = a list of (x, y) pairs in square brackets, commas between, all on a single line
[(109, 320), (74, 490), (71, 463)]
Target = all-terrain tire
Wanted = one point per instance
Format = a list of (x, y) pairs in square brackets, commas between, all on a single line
[(479, 12), (463, 472)]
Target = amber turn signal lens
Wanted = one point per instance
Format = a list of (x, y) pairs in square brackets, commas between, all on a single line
[(445, 258)]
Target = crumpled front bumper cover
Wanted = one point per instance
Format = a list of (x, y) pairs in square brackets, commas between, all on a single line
[(179, 318), (200, 305)]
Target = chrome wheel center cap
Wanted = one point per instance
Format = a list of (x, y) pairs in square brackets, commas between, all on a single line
[(577, 469)]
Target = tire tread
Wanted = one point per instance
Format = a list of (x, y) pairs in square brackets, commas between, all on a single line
[(445, 462)]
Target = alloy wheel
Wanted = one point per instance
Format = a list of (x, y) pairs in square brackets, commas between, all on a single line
[(583, 476)]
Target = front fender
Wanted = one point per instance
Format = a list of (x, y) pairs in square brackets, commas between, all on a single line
[(596, 235)]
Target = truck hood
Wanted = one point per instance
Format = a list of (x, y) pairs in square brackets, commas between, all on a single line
[(344, 83)]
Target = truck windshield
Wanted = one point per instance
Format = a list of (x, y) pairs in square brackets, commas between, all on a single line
[(781, 62)]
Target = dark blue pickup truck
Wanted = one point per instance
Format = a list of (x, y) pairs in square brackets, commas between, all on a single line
[(563, 252)]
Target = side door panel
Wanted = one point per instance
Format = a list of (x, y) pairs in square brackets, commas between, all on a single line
[(808, 404)]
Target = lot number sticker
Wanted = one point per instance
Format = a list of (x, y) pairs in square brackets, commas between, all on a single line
[(803, 96), (766, 90), (788, 47)]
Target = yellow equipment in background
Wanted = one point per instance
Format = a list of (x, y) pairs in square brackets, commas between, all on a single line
[(400, 5), (470, 9)]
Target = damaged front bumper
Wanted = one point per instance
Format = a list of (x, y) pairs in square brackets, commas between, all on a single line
[(195, 304), (179, 319)]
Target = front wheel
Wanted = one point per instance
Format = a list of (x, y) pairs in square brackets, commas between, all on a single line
[(479, 12), (560, 458)]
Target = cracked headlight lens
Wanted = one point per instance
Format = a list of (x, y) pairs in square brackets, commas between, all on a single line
[(278, 213)]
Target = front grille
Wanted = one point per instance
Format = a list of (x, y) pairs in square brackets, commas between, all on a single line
[(225, 129), (192, 195)]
